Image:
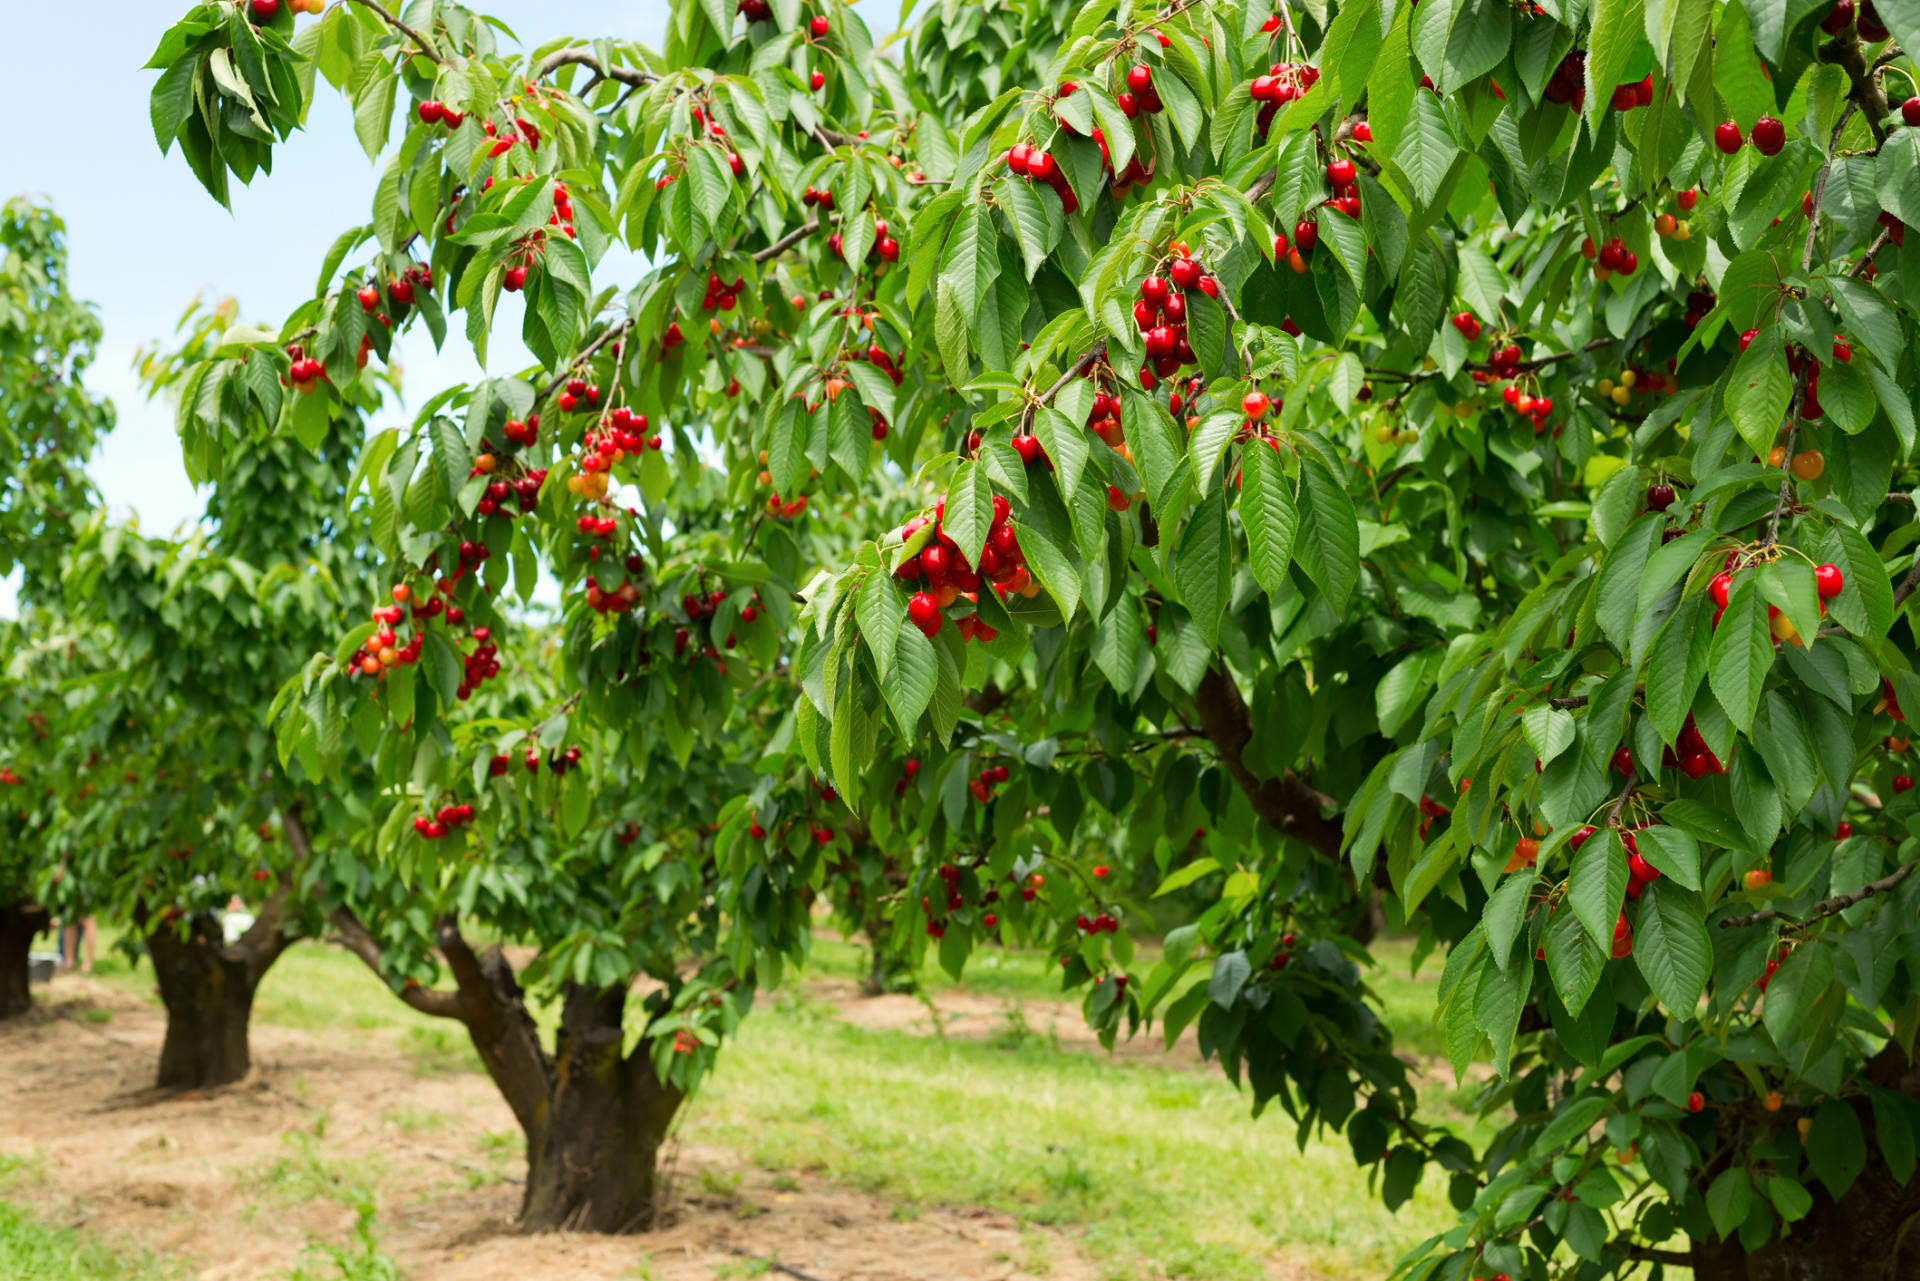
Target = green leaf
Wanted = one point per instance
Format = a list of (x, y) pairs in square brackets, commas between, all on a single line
[(972, 261), (1673, 851), (1574, 960), (1203, 566), (908, 687), (1598, 885), (1268, 513), (1506, 912), (1617, 592), (969, 511), (1897, 175), (1729, 1198), (373, 112), (1426, 148), (1461, 40), (1671, 947), (1759, 388), (1742, 652), (1328, 545), (1836, 1147), (1615, 32)]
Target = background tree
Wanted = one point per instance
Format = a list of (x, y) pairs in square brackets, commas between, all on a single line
[(1450, 447)]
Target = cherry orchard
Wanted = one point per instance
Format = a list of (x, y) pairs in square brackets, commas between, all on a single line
[(1374, 544)]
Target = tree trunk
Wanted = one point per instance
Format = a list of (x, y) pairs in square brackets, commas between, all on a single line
[(591, 1163), (208, 993), (1871, 1234), (19, 922)]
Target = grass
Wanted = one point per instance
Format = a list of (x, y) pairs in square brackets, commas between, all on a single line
[(1162, 1173), (32, 1251), (1158, 1171)]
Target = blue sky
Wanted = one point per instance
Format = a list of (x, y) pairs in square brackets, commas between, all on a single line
[(144, 238)]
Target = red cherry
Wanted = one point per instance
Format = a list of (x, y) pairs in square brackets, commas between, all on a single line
[(1363, 132), (1340, 172), (263, 10), (1902, 783), (1719, 588), (1185, 272), (1842, 830), (1306, 234), (1726, 136), (1910, 112), (1769, 136), (1696, 1101), (1154, 291), (1139, 78), (1255, 404), (1829, 580), (924, 612), (817, 81), (818, 25), (429, 111), (1688, 199)]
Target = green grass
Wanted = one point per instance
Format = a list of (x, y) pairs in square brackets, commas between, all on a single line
[(1161, 1173), (32, 1251)]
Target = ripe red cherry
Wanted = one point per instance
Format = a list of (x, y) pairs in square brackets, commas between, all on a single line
[(818, 26), (1641, 869), (263, 10), (1829, 580), (1696, 1101), (1363, 132), (1340, 172), (1306, 234), (1910, 112), (1688, 199), (1719, 588), (1902, 783), (1842, 830), (515, 278), (430, 111), (1622, 761), (1139, 78), (1659, 497), (1153, 291), (1255, 404), (924, 613), (1726, 136), (369, 297), (817, 81), (1769, 135), (1185, 272)]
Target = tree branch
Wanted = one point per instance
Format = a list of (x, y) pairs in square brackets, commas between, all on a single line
[(1288, 803), (266, 938), (587, 353), (587, 58), (1911, 581), (357, 939), (1078, 368), (1828, 906), (787, 241), (425, 45)]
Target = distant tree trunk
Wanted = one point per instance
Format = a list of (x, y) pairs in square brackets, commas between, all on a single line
[(208, 984), (19, 922), (209, 1000), (594, 1119), (1870, 1234)]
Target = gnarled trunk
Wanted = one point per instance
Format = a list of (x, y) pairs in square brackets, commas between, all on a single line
[(19, 922), (594, 1119), (591, 1163), (209, 998), (1872, 1233)]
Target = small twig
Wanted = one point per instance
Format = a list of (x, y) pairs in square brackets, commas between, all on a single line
[(1907, 585), (426, 46), (1820, 187), (559, 380), (1866, 259), (1786, 457), (1567, 704), (1828, 906), (773, 1264), (1074, 371)]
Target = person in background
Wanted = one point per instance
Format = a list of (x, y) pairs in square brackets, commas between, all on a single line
[(73, 933)]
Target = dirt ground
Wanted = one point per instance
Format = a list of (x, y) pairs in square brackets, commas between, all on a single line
[(235, 1182)]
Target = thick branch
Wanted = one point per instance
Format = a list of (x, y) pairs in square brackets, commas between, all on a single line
[(425, 45), (267, 937), (357, 939), (1288, 802), (1828, 906), (502, 1031), (1911, 581), (587, 58)]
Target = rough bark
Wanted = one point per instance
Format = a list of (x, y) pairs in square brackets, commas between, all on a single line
[(594, 1119), (207, 986), (592, 1164), (1870, 1234), (1287, 801), (19, 922), (209, 1000)]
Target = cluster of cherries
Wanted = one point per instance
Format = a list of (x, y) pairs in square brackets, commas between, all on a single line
[(1033, 162), (1828, 581), (384, 649), (945, 574), (305, 372), (1699, 303), (10, 779), (1161, 314), (434, 112), (621, 599), (561, 762), (993, 775), (576, 391), (1636, 93), (756, 10), (1611, 257), (448, 817), (503, 142), (1567, 86), (721, 295), (621, 432), (1101, 924), (908, 771), (504, 495), (1768, 136)]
